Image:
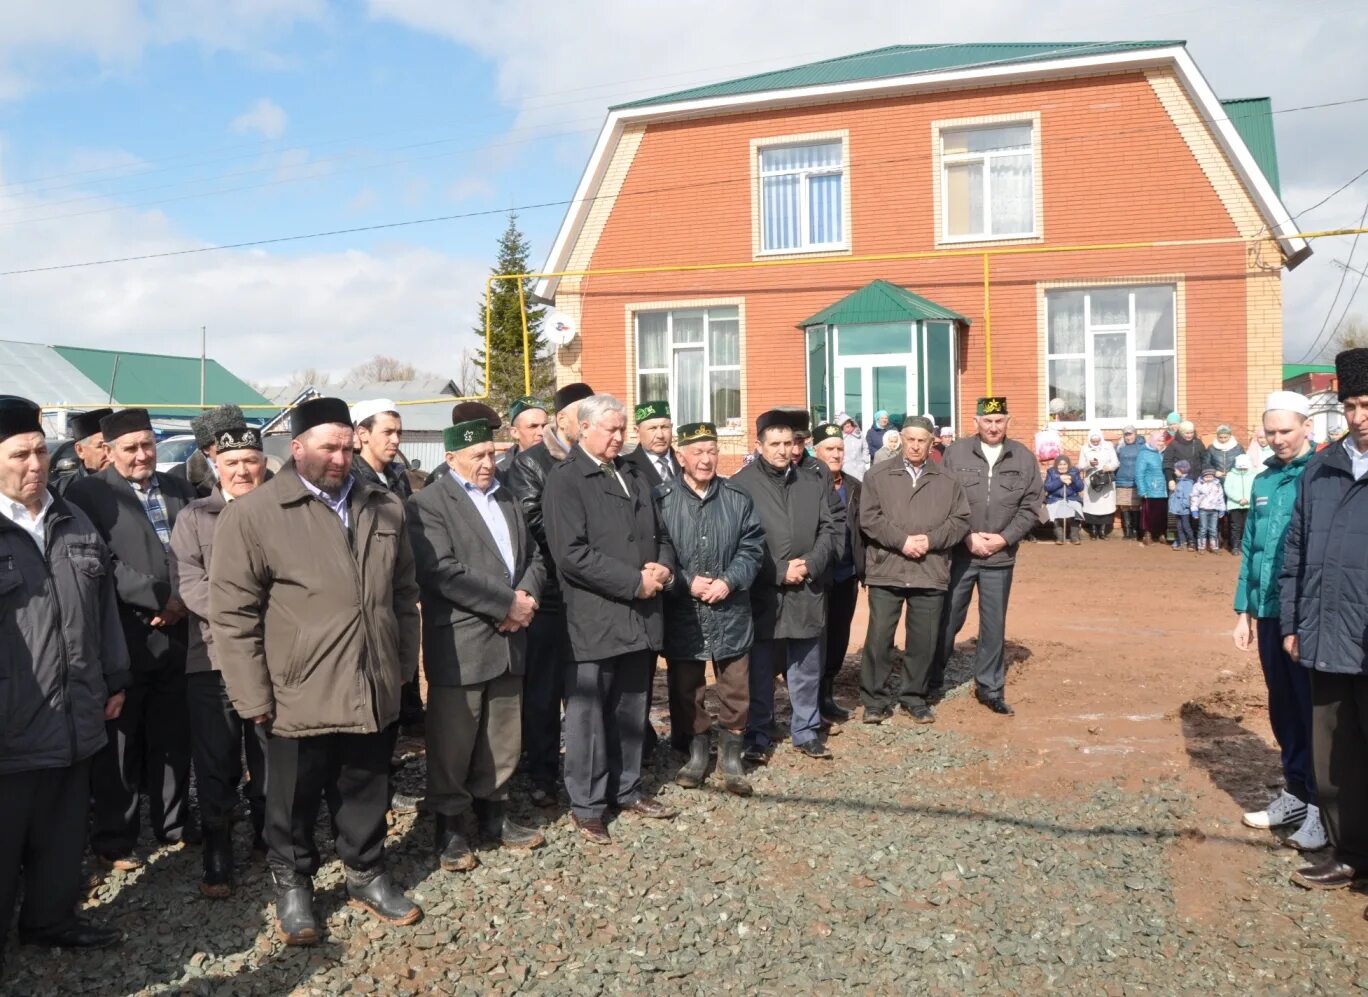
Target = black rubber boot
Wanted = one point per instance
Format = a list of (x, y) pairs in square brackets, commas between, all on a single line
[(497, 828), (295, 921), (372, 891), (1059, 531), (831, 711), (695, 770), (453, 850), (218, 863), (733, 772)]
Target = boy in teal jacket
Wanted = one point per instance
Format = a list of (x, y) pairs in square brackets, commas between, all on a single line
[(1287, 424)]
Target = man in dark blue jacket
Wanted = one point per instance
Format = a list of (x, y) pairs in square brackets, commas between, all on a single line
[(66, 666), (1325, 622)]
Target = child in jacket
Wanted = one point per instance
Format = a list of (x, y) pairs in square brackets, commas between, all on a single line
[(1063, 485), (1208, 505), (1180, 506), (1239, 486)]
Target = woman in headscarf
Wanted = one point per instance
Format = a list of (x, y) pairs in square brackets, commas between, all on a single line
[(1152, 489), (892, 445), (1221, 457), (1259, 451), (1063, 484), (1097, 462), (875, 435)]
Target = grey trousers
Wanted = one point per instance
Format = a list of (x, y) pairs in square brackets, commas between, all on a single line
[(1339, 741), (474, 738), (605, 722), (994, 589), (880, 662)]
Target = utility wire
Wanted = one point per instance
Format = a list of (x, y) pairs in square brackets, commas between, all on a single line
[(1338, 190), (1316, 345)]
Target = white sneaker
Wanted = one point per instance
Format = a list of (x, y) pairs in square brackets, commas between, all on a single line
[(1311, 835), (1285, 809)]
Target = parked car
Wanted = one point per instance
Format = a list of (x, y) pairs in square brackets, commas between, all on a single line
[(174, 450)]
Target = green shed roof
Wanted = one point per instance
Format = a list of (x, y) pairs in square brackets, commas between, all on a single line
[(880, 301), (1253, 119), (152, 378), (1291, 370), (900, 60)]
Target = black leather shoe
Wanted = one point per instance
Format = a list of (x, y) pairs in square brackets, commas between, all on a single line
[(995, 703), (375, 893), (498, 829), (295, 921), (813, 749), (78, 934), (542, 796), (875, 715), (695, 770), (217, 883), (1329, 875), (755, 755), (453, 850), (921, 714)]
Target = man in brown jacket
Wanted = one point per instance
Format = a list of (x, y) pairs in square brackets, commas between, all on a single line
[(313, 609), (912, 514)]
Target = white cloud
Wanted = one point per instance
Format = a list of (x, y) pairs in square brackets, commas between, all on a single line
[(265, 118), (556, 61), (268, 313)]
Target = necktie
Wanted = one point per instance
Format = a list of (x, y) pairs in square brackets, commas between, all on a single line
[(666, 473)]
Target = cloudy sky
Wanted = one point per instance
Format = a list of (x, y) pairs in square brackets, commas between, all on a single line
[(146, 126)]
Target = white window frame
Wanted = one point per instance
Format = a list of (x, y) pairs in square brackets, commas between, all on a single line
[(757, 146), (940, 189), (709, 368), (1132, 354)]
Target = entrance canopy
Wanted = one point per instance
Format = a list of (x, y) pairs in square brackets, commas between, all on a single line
[(882, 348)]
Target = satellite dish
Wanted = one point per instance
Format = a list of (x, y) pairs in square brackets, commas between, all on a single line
[(559, 328)]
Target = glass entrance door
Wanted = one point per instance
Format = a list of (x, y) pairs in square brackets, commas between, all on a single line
[(870, 383)]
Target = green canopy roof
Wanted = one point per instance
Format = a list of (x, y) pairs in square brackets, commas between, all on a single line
[(1253, 119), (880, 301), (151, 378), (900, 60), (1291, 370)]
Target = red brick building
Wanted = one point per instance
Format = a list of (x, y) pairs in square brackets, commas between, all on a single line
[(799, 196)]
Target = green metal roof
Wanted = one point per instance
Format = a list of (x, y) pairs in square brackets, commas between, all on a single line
[(1253, 119), (900, 60), (1291, 370), (881, 301), (151, 378)]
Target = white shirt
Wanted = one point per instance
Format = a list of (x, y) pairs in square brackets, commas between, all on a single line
[(991, 453), (34, 526), (1358, 460)]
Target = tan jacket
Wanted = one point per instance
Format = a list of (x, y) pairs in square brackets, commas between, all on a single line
[(892, 509), (319, 632)]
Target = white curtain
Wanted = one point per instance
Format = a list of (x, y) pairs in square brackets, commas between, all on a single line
[(1110, 397), (824, 209), (690, 389), (1013, 194), (782, 172)]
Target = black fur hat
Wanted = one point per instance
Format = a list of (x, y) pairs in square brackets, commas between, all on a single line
[(1351, 369)]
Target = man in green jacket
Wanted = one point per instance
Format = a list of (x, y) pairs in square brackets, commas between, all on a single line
[(1287, 424)]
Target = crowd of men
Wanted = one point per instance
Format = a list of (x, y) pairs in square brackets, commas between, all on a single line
[(229, 621)]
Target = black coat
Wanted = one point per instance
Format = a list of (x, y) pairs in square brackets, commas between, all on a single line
[(646, 465), (600, 538), (1324, 582), (142, 566), (717, 535), (466, 591), (526, 480), (795, 509), (1193, 451)]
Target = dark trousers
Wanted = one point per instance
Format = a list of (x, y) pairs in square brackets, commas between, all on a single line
[(148, 750), (878, 668), (472, 743), (1289, 709), (994, 589), (1339, 738), (605, 723), (301, 770), (799, 660), (42, 837), (219, 739), (548, 658), (1154, 517), (410, 703), (841, 599), (1236, 519), (687, 681)]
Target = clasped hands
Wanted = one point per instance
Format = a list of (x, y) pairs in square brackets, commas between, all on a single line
[(172, 614), (709, 590), (916, 546), (654, 577), (519, 614), (984, 544)]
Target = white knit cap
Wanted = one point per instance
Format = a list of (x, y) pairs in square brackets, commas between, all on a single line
[(362, 411), (1287, 401)]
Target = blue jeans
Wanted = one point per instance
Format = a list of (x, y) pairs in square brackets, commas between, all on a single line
[(801, 660), (1209, 526), (1289, 709), (1184, 530)]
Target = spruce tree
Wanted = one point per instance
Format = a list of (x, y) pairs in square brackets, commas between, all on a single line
[(506, 381)]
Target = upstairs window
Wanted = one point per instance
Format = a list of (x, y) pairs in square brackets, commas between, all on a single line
[(691, 357), (988, 182), (802, 197)]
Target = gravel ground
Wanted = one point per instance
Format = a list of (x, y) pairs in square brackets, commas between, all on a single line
[(1056, 851)]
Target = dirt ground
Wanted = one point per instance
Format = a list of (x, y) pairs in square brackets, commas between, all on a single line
[(1124, 672)]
